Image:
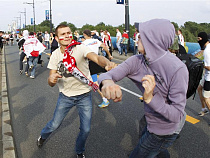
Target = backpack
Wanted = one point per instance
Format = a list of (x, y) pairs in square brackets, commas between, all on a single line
[(195, 68)]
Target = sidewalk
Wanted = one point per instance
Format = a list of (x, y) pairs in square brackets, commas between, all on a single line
[(7, 148)]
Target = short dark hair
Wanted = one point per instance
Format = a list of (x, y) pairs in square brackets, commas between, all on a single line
[(58, 27), (87, 32), (31, 33)]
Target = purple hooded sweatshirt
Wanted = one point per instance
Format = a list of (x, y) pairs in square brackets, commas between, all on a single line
[(165, 112)]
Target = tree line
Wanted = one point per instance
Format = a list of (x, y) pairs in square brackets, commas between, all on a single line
[(190, 29)]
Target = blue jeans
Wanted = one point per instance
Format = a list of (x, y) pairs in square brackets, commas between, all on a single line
[(83, 104), (47, 44), (33, 61), (118, 47), (124, 46), (153, 146), (104, 53)]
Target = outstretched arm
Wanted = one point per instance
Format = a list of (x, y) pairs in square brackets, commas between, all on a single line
[(102, 61)]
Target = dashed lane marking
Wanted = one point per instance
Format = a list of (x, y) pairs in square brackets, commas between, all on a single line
[(188, 118)]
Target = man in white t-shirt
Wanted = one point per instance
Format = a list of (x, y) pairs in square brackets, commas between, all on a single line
[(47, 39), (135, 42), (72, 91), (181, 37), (94, 45), (204, 87), (118, 40)]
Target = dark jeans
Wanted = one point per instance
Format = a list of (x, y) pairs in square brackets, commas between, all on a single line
[(124, 47), (153, 146), (83, 104), (22, 56)]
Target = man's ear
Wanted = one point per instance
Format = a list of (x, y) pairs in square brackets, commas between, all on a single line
[(56, 38)]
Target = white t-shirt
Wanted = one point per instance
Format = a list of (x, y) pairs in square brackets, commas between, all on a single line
[(206, 55), (71, 86), (47, 37), (119, 35), (181, 39), (136, 39), (93, 44)]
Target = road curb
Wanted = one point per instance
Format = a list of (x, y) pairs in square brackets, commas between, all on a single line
[(7, 135)]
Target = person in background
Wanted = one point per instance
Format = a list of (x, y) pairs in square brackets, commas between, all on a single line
[(204, 86), (108, 43), (124, 43), (163, 80), (1, 41), (21, 52), (76, 35), (118, 40), (40, 38), (135, 42), (47, 40), (94, 45), (94, 35), (33, 48), (54, 44), (177, 48), (180, 37)]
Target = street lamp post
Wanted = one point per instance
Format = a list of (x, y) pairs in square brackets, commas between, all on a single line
[(33, 12), (50, 17), (127, 22), (25, 16), (20, 22)]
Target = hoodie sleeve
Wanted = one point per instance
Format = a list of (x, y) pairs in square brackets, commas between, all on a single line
[(174, 110), (123, 70)]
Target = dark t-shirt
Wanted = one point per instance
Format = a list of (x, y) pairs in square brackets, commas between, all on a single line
[(21, 42)]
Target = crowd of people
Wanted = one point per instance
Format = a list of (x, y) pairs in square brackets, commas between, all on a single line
[(157, 72)]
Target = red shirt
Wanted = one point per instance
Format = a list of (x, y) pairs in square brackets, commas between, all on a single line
[(125, 35)]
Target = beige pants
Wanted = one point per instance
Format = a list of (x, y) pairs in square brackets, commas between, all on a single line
[(206, 94)]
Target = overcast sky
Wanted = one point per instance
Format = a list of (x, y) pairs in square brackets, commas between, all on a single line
[(81, 12)]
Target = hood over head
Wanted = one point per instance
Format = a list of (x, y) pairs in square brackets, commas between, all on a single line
[(157, 36), (25, 34)]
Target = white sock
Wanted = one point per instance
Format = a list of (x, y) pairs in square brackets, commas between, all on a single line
[(204, 109), (104, 99)]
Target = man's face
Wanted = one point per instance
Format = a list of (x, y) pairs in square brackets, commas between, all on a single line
[(140, 46), (63, 37)]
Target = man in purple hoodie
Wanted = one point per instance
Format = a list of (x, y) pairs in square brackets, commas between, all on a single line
[(163, 81)]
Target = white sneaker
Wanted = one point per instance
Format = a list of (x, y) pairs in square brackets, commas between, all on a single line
[(202, 113), (32, 77)]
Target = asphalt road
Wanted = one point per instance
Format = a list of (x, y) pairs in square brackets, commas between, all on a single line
[(114, 130)]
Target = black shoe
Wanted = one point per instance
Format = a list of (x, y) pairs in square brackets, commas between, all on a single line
[(21, 71), (81, 155), (40, 141)]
